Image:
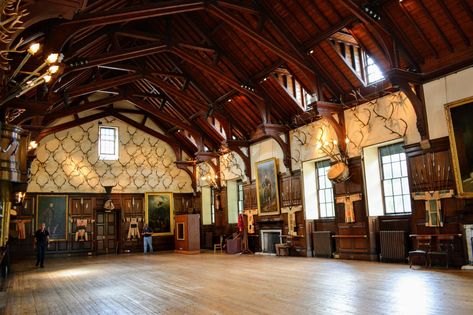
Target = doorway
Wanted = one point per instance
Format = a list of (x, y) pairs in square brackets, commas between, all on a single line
[(107, 231)]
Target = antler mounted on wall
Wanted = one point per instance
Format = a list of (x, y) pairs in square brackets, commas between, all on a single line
[(10, 20)]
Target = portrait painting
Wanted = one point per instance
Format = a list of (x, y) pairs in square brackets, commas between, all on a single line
[(267, 187), (159, 213), (52, 210), (460, 129)]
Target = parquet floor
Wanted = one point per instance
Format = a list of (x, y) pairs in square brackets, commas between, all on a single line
[(169, 283)]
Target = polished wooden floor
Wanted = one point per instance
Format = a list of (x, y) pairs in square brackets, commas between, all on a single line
[(223, 284)]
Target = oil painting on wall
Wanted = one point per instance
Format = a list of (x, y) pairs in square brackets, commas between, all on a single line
[(52, 210), (159, 213), (267, 187), (460, 129)]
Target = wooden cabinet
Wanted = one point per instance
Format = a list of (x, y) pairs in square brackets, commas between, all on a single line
[(290, 188), (187, 233), (249, 197)]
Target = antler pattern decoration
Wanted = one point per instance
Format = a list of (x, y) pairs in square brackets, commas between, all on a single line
[(10, 20), (230, 164), (69, 161), (387, 112)]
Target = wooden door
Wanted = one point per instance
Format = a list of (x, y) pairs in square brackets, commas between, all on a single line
[(107, 232)]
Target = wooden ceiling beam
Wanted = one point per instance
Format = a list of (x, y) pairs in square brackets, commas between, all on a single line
[(435, 25), (174, 91), (81, 108), (119, 55), (61, 34), (327, 33), (238, 6), (173, 143), (149, 109), (70, 124), (244, 28), (454, 22), (135, 34), (128, 14), (215, 72), (419, 31), (103, 84)]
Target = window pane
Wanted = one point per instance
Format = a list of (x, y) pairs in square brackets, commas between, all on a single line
[(387, 171), (389, 204), (404, 168), (407, 203), (328, 195), (388, 188), (396, 169), (321, 196), (397, 190), (405, 186), (398, 204)]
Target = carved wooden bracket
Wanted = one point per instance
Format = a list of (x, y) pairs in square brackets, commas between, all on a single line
[(273, 131), (404, 79), (190, 168), (326, 110)]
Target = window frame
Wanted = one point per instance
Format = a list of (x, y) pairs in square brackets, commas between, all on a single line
[(212, 205), (317, 185), (240, 202), (106, 156), (382, 178)]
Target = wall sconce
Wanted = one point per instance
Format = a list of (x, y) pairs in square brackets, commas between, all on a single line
[(20, 197), (32, 145)]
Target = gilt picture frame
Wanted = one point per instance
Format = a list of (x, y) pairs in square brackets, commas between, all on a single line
[(267, 189), (460, 131), (53, 211), (159, 213)]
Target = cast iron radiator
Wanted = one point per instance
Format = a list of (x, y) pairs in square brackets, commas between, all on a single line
[(393, 246), (323, 243)]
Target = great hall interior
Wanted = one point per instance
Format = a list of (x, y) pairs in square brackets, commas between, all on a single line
[(303, 156)]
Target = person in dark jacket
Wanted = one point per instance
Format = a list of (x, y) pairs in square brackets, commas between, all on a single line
[(42, 240)]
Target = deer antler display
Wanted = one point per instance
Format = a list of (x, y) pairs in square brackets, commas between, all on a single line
[(10, 20)]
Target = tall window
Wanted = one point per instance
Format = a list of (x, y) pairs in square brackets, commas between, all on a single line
[(240, 196), (324, 190), (396, 194), (373, 73), (212, 205), (108, 143)]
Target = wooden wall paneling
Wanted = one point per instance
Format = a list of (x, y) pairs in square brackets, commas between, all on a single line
[(80, 207), (353, 241), (132, 207), (296, 191)]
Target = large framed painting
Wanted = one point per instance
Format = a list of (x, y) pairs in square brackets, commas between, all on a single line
[(159, 213), (52, 210), (460, 129), (267, 187)]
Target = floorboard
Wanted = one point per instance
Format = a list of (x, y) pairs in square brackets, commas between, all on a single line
[(168, 283)]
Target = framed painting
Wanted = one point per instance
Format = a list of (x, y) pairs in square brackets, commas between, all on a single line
[(460, 130), (267, 187), (52, 210), (159, 213)]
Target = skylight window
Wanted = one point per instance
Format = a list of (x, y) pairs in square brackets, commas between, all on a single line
[(373, 73)]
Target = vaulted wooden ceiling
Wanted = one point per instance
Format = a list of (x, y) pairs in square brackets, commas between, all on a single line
[(177, 62)]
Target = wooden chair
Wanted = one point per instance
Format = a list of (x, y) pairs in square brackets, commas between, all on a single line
[(444, 248), (423, 247), (284, 248), (219, 245)]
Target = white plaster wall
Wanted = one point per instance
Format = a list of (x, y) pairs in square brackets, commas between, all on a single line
[(68, 162), (265, 150), (437, 93), (368, 129)]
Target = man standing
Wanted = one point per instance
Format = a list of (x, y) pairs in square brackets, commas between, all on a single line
[(42, 240), (148, 238)]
